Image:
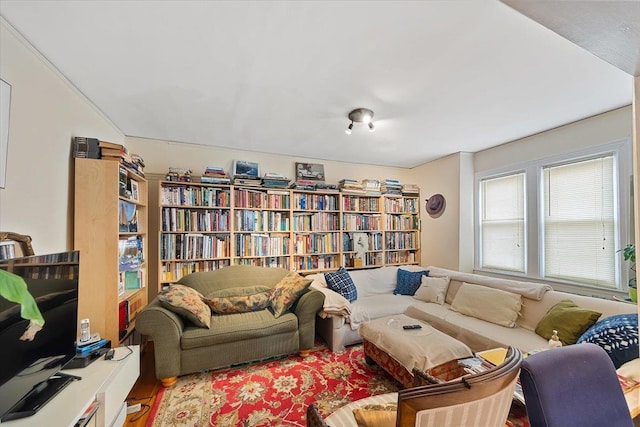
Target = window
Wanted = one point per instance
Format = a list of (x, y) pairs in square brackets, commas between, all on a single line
[(559, 219), (502, 223), (578, 221)]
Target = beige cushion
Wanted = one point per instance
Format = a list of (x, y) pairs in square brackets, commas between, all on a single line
[(380, 415), (187, 302), (493, 305), (568, 319), (433, 289), (287, 291)]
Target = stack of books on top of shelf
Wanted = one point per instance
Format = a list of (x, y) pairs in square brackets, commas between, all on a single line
[(247, 180), (304, 184), (371, 187), (215, 175), (391, 186), (118, 152), (275, 180), (410, 190), (328, 188), (351, 186)]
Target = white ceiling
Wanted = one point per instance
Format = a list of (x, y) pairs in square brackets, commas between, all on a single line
[(281, 76)]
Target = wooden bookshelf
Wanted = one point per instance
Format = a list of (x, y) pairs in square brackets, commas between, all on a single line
[(98, 232), (204, 227)]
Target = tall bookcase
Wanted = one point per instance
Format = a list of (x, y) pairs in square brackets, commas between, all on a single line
[(262, 227), (110, 208), (208, 226), (362, 236), (316, 231), (401, 230), (195, 229)]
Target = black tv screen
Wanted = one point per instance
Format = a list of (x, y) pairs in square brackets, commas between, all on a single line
[(29, 356)]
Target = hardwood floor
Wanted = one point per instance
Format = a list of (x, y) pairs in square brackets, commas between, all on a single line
[(145, 390)]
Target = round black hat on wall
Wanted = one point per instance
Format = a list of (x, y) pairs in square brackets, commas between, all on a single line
[(435, 205)]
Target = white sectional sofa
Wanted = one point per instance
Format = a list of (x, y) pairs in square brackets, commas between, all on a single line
[(339, 320)]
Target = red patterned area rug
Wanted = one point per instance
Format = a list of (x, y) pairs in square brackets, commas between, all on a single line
[(276, 392), (273, 393)]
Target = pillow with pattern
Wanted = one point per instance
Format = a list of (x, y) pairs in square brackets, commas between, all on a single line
[(287, 291), (617, 335), (341, 282), (408, 282), (239, 303), (188, 303)]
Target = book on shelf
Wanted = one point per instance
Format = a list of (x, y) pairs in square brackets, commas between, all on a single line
[(123, 316), (127, 216), (130, 280), (112, 145), (130, 253)]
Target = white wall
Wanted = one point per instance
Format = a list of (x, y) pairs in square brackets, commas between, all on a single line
[(159, 155), (607, 127), (440, 236), (46, 113)]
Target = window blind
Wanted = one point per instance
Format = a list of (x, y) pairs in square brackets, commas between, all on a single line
[(502, 223), (578, 221)]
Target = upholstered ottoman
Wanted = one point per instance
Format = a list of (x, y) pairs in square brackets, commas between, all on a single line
[(399, 351)]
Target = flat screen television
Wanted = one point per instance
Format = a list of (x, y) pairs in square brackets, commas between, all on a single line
[(30, 364)]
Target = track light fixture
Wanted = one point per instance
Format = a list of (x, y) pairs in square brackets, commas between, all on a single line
[(360, 115), (348, 130)]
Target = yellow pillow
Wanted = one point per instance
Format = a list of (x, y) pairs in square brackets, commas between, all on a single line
[(485, 303), (376, 415)]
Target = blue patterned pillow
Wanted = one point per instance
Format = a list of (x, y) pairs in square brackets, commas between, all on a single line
[(408, 282), (617, 335), (341, 282)]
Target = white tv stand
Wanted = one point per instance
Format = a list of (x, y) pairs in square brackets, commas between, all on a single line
[(107, 381)]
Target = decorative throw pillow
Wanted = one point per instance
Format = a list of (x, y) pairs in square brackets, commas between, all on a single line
[(408, 282), (617, 335), (239, 303), (380, 415), (341, 282), (287, 291), (188, 303), (568, 319), (433, 289), (490, 304)]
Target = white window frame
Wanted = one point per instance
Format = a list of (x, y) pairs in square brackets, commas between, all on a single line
[(534, 255)]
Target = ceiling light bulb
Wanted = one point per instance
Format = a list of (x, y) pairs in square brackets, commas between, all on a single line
[(372, 128), (348, 130)]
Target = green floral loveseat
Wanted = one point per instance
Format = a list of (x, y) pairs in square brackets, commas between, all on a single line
[(233, 315)]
